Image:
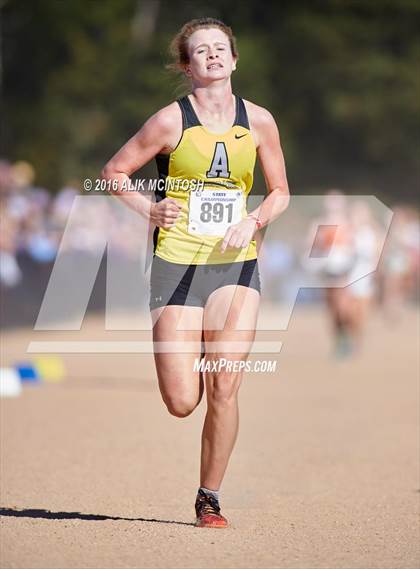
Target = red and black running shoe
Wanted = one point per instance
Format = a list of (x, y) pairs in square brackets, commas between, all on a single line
[(208, 513)]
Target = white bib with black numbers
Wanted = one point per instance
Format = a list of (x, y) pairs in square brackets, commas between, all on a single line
[(211, 212)]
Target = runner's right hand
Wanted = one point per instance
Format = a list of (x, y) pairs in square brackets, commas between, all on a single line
[(165, 213)]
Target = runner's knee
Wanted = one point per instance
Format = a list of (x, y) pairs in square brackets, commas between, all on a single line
[(179, 406), (223, 390)]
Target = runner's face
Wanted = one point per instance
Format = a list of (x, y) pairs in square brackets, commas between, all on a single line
[(210, 56)]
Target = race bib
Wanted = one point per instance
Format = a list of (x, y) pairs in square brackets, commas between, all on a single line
[(211, 212)]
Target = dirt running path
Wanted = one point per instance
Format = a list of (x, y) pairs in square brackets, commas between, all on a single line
[(96, 474)]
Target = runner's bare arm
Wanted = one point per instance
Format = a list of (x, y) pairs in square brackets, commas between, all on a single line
[(270, 156), (160, 133)]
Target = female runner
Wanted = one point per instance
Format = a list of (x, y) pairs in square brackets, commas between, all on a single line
[(204, 277)]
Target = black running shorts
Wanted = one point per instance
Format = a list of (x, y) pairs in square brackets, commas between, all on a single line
[(191, 285)]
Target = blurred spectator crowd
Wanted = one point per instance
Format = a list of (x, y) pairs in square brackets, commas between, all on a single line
[(33, 222)]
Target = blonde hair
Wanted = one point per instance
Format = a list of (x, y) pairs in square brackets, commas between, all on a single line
[(179, 45)]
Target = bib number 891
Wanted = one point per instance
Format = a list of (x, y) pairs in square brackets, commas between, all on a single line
[(215, 212)]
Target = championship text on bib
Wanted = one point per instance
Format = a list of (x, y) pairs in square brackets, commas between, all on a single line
[(211, 212)]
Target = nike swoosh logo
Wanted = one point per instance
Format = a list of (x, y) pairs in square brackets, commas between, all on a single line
[(237, 136)]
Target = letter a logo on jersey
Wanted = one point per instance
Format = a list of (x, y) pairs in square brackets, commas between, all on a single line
[(219, 165)]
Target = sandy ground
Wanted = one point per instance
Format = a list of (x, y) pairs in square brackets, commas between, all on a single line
[(96, 474)]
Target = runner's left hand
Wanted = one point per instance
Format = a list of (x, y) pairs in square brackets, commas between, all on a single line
[(239, 235)]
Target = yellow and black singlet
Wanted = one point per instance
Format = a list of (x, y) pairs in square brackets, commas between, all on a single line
[(210, 175)]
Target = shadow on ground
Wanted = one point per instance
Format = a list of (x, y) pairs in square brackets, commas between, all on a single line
[(48, 515)]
